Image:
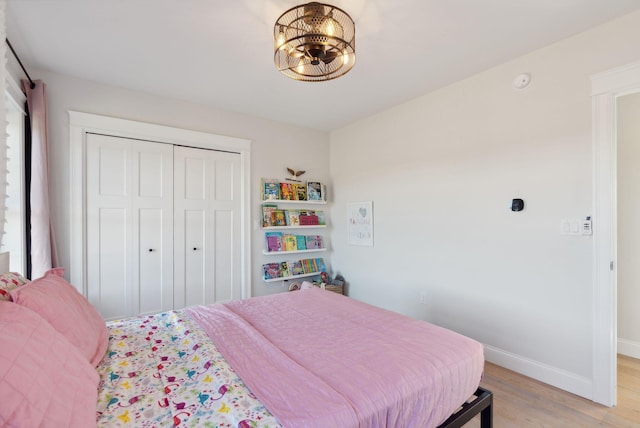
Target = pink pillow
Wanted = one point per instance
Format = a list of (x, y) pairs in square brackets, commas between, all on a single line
[(10, 281), (44, 381), (58, 302)]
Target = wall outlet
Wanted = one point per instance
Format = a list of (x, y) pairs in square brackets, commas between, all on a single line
[(423, 297)]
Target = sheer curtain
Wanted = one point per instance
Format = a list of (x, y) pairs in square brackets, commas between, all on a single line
[(43, 252)]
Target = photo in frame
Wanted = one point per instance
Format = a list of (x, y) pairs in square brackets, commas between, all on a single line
[(360, 223)]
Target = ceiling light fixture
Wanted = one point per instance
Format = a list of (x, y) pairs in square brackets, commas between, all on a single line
[(314, 42)]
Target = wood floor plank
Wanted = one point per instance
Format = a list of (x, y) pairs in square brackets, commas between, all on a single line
[(522, 402)]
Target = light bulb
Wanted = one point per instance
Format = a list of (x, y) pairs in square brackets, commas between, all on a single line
[(300, 67), (280, 40), (331, 29)]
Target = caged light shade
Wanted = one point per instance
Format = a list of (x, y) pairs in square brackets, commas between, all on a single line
[(314, 42)]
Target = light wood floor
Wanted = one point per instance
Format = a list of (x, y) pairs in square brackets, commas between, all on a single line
[(519, 401)]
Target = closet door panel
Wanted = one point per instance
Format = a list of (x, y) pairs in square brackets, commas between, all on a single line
[(150, 266), (195, 252), (129, 212), (195, 175), (112, 291), (190, 242), (153, 207), (224, 269), (109, 220), (208, 182), (224, 206), (152, 170)]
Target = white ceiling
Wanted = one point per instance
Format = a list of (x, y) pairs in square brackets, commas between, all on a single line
[(220, 52)]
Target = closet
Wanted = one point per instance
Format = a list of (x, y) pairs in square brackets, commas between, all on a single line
[(163, 225)]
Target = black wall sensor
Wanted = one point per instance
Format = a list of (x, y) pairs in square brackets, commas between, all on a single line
[(517, 205)]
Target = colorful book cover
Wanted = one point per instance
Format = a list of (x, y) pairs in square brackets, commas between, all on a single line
[(271, 270), (301, 242), (321, 218), (314, 242), (286, 192), (314, 191), (320, 267), (267, 218), (271, 190), (289, 243), (278, 218), (305, 265), (293, 218), (284, 270), (308, 218), (309, 266), (274, 241), (295, 267), (301, 192), (294, 191)]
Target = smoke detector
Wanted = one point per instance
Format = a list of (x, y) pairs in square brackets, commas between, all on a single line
[(522, 81)]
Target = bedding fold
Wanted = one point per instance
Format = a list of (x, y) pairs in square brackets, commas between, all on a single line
[(380, 368), (300, 398)]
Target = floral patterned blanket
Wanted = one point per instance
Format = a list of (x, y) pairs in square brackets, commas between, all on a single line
[(163, 370)]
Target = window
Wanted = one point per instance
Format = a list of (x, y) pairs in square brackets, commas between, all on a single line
[(14, 239)]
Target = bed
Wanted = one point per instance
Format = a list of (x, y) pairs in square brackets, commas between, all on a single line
[(309, 358)]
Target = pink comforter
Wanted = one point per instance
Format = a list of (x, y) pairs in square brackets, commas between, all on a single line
[(318, 359)]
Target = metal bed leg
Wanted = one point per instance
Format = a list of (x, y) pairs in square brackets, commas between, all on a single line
[(482, 404)]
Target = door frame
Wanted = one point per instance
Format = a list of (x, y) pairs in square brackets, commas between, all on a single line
[(82, 123), (606, 87)]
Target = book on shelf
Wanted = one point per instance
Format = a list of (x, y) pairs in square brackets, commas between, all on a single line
[(299, 192), (315, 191), (320, 267), (270, 189), (295, 267), (267, 216), (309, 265), (314, 242), (273, 241), (278, 218), (301, 242), (308, 218), (286, 191), (289, 243), (271, 270), (321, 218), (293, 218), (284, 270)]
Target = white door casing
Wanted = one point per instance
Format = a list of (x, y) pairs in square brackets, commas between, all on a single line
[(82, 124), (605, 88)]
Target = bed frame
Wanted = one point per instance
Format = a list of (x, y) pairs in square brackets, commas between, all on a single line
[(482, 404)]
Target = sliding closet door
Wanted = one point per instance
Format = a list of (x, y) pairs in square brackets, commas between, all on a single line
[(129, 226), (207, 226)]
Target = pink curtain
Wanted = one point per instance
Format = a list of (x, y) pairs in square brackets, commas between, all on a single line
[(43, 252)]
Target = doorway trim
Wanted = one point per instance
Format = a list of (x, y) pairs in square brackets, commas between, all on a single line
[(82, 123), (606, 87)]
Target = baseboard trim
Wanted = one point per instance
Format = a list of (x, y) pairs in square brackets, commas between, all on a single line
[(554, 376), (629, 348)]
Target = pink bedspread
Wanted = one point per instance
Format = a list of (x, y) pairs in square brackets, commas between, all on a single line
[(318, 359)]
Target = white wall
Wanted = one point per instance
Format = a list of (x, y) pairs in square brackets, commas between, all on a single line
[(441, 171), (628, 141), (274, 146)]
